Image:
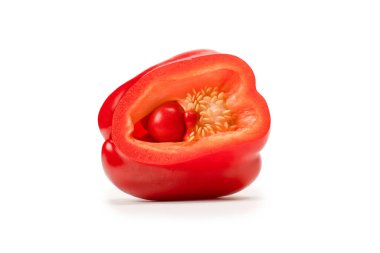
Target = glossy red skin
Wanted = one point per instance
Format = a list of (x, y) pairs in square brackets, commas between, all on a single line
[(208, 176), (167, 123)]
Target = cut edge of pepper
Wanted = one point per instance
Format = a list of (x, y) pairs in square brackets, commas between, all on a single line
[(255, 112)]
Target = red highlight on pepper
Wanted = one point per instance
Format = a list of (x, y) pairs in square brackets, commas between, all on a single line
[(188, 128)]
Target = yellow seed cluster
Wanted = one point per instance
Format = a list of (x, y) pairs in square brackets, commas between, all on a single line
[(215, 117)]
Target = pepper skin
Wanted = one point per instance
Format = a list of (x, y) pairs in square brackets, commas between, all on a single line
[(210, 167)]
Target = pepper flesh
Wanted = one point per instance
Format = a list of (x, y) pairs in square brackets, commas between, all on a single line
[(106, 111), (210, 167)]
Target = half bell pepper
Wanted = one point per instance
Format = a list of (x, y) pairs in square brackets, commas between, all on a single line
[(190, 127)]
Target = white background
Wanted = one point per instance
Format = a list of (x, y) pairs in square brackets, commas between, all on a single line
[(316, 62)]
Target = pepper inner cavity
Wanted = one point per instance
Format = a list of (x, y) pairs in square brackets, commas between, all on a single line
[(202, 113), (214, 116)]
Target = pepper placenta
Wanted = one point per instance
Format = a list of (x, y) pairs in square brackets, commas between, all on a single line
[(190, 127)]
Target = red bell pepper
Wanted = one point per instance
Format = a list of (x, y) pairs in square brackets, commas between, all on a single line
[(190, 127)]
